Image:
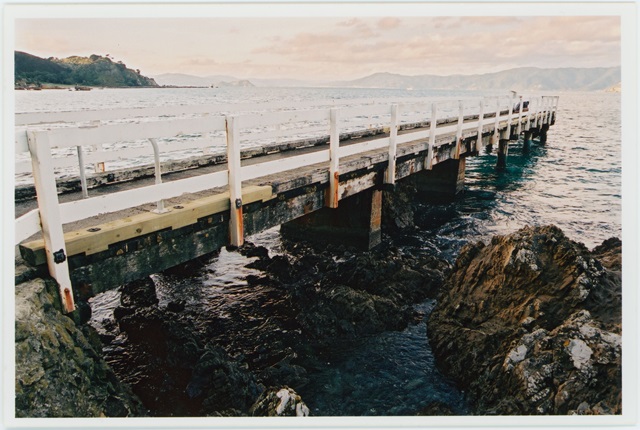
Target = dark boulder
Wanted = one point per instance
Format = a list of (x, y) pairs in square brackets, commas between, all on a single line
[(531, 323)]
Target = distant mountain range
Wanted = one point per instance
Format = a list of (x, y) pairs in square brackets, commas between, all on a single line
[(95, 70), (520, 79), (523, 78)]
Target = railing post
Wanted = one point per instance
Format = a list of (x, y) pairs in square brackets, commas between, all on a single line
[(236, 225), (334, 163), (48, 205), (160, 209), (528, 126), (83, 174), (432, 135), (456, 155), (535, 114), (494, 138), (519, 129), (480, 126), (393, 135), (543, 111), (509, 119)]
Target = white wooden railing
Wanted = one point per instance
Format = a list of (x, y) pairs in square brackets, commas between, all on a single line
[(51, 215)]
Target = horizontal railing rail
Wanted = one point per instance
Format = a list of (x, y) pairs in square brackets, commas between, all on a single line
[(457, 117)]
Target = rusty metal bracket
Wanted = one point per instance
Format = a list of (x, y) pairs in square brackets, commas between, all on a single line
[(59, 257)]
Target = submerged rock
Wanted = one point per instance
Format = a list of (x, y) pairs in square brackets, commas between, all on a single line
[(531, 323), (59, 368)]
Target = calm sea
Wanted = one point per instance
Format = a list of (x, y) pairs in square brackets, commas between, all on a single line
[(574, 182)]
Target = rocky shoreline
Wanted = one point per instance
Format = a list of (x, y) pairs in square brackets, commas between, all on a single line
[(531, 324), (528, 324)]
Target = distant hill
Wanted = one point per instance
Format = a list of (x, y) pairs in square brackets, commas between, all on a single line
[(184, 80), (88, 71), (524, 78), (519, 79), (241, 83)]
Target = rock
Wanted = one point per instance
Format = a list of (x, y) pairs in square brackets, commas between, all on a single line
[(279, 402), (357, 293), (59, 368), (163, 357), (530, 324), (221, 383)]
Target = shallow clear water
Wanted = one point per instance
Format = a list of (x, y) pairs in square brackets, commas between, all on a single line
[(574, 182)]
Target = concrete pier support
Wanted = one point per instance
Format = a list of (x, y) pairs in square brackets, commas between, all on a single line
[(355, 222), (492, 141), (443, 182), (543, 133), (503, 150), (526, 145)]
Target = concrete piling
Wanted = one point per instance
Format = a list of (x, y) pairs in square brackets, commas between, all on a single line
[(443, 182), (543, 133), (526, 143), (503, 149), (355, 222)]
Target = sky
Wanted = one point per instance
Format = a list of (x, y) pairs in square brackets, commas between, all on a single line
[(329, 48)]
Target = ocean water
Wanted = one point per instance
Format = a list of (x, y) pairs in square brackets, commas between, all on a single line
[(574, 182)]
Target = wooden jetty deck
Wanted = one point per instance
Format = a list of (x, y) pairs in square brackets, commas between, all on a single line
[(328, 186)]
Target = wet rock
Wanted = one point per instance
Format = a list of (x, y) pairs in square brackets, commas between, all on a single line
[(346, 294), (139, 293), (170, 365), (222, 384), (530, 324), (59, 368), (177, 306), (284, 372), (279, 402)]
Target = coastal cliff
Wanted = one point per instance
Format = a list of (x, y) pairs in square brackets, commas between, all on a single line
[(531, 324), (94, 70)]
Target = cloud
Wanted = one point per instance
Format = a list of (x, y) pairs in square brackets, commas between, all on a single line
[(388, 23), (200, 61)]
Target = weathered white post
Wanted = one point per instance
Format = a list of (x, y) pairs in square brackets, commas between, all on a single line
[(334, 158), (432, 135), (519, 129), (160, 209), (48, 204), (480, 126), (83, 174), (509, 118), (236, 225), (393, 137), (456, 154), (494, 137)]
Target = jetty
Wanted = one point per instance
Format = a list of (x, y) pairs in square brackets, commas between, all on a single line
[(318, 170)]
